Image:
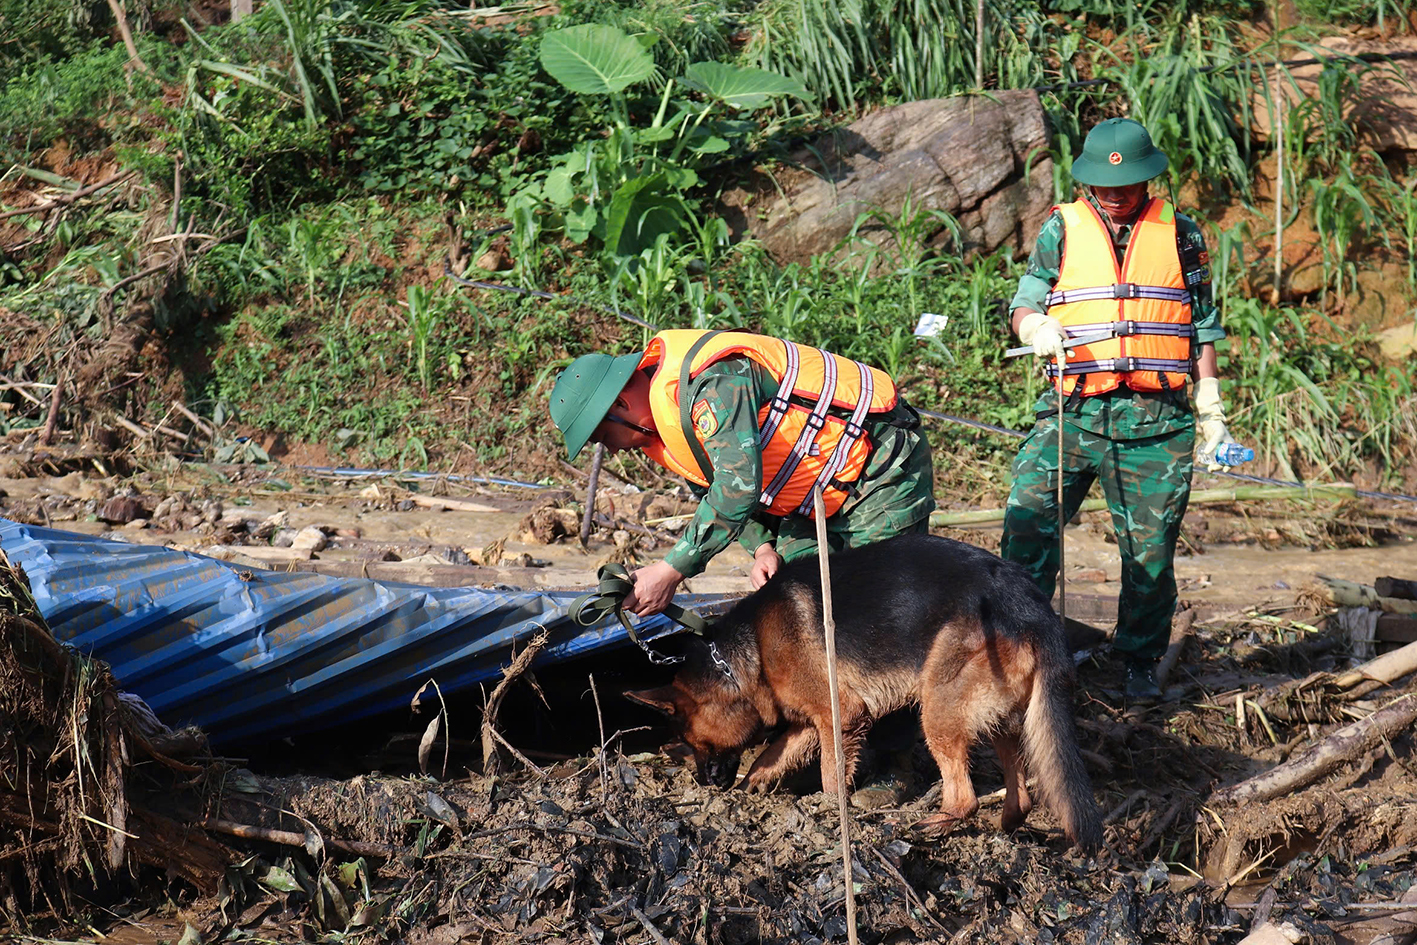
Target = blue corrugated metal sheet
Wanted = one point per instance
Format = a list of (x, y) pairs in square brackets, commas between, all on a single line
[(253, 654)]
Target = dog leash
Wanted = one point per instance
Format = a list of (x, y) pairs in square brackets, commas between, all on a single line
[(613, 585)]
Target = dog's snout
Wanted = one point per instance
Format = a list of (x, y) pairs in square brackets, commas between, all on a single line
[(721, 770)]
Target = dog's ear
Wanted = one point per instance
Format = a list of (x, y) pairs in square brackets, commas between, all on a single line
[(664, 699)]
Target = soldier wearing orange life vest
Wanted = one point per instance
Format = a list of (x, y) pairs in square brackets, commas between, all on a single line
[(1128, 276), (753, 423)]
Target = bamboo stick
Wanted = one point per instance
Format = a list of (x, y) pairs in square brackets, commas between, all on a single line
[(591, 484), (1278, 112), (1331, 491), (979, 45), (829, 629)]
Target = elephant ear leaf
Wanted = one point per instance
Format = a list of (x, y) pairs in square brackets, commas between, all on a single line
[(594, 59), (742, 87)]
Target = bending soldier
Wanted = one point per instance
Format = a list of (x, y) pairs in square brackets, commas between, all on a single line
[(753, 423)]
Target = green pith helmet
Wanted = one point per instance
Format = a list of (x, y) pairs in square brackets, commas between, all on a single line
[(1118, 152), (584, 393)]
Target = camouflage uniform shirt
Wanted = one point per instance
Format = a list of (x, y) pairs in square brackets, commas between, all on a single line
[(726, 399), (1124, 414)]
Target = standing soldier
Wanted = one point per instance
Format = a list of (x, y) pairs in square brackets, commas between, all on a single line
[(753, 423), (1129, 272)]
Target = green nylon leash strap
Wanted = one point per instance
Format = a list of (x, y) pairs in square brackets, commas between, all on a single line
[(613, 586), (686, 419)]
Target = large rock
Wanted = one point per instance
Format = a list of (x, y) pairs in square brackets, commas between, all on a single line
[(969, 156)]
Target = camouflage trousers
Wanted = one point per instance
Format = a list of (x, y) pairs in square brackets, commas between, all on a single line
[(1147, 483), (896, 494)]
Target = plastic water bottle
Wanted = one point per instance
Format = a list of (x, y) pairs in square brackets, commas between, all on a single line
[(1233, 454)]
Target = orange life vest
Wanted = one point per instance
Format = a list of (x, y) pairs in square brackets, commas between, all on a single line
[(810, 433), (1141, 311)]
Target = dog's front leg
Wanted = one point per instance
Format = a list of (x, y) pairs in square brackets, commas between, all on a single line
[(792, 749), (854, 725)]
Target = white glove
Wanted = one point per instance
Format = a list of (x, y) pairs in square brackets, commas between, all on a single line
[(1045, 334), (1211, 417)]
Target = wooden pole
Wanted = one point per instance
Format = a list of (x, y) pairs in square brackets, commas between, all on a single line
[(1278, 111), (979, 44), (829, 628), (51, 423), (591, 484), (1062, 516)]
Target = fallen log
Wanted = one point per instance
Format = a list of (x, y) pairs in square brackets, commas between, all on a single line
[(1346, 744), (1384, 669), (1342, 593), (1395, 587)]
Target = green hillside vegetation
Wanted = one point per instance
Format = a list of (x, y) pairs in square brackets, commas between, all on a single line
[(305, 184)]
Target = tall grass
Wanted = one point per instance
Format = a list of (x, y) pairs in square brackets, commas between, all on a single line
[(845, 50), (1342, 212), (1316, 400), (1198, 118)]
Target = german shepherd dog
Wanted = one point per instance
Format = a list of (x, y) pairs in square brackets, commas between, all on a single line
[(919, 620)]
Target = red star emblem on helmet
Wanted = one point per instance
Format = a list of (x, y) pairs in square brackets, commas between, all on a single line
[(1114, 158)]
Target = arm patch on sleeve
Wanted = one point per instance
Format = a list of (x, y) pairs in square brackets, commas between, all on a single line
[(705, 420)]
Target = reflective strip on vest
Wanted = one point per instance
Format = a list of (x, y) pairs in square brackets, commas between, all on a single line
[(1122, 329), (1119, 290), (1122, 365), (777, 409), (854, 432), (815, 421)]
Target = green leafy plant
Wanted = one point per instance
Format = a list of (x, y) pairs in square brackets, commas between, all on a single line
[(425, 316), (1399, 201), (908, 256), (630, 187), (1320, 132), (1355, 11)]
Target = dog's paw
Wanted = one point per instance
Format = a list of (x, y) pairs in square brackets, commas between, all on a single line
[(759, 783)]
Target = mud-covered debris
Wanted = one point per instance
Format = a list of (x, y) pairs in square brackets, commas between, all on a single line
[(548, 524), (122, 509)]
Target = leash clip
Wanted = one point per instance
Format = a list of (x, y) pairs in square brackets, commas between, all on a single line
[(614, 585)]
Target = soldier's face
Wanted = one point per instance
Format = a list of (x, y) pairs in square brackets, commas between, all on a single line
[(630, 422), (1120, 203)]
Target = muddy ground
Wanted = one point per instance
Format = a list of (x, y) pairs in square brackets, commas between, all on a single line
[(581, 836)]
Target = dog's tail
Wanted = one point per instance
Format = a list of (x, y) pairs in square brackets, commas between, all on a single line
[(1051, 744)]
